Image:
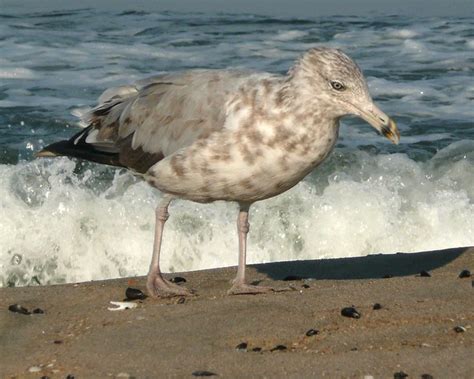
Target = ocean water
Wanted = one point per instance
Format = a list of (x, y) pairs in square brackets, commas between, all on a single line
[(64, 220)]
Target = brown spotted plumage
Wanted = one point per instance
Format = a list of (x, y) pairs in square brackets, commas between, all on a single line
[(207, 135)]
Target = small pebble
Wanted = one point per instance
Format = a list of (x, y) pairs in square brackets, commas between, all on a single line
[(38, 311), (181, 300), (425, 274), (400, 375), (377, 306), (16, 308), (312, 332), (70, 376), (34, 369), (350, 312), (204, 373), (241, 346), (387, 276), (279, 348), (134, 294), (178, 279), (257, 349), (306, 286), (354, 349), (45, 377), (465, 274), (459, 329), (426, 376), (58, 342), (290, 278)]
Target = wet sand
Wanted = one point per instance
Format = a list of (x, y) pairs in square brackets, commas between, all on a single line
[(412, 332)]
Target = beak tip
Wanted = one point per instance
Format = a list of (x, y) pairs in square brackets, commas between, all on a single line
[(385, 125), (391, 132)]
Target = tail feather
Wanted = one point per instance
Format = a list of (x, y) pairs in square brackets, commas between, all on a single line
[(78, 148)]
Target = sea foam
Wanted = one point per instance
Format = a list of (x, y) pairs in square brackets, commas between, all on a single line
[(65, 223)]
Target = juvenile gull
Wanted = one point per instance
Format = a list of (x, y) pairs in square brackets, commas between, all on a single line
[(207, 135)]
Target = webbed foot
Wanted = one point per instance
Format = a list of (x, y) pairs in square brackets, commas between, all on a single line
[(160, 287)]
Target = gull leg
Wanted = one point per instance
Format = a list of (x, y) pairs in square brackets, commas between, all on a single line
[(156, 284), (240, 287)]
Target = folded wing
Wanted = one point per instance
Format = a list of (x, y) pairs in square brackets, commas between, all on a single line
[(136, 126)]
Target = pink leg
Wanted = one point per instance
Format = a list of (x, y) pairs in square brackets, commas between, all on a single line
[(240, 287), (157, 285)]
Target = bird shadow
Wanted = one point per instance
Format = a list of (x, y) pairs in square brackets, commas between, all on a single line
[(368, 267)]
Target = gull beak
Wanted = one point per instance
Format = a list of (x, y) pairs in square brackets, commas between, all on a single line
[(380, 121)]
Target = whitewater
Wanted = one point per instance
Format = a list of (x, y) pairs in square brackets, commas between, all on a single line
[(64, 220)]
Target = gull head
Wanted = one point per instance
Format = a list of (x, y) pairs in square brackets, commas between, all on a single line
[(334, 79)]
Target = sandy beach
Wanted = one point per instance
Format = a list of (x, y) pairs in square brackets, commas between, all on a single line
[(412, 333)]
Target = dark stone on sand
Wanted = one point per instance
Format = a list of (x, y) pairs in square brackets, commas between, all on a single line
[(241, 346), (16, 308), (312, 332), (181, 300), (425, 274), (400, 375), (58, 342), (257, 349), (70, 376), (350, 312), (354, 349), (305, 286), (178, 279), (134, 294), (290, 278), (38, 311), (204, 373), (465, 274), (45, 377), (459, 329), (279, 348), (377, 306), (426, 376)]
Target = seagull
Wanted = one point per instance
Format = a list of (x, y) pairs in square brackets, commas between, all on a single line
[(232, 135)]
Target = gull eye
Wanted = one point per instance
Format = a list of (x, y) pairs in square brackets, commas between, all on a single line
[(338, 86)]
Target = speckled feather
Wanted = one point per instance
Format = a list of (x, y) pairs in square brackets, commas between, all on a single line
[(208, 135)]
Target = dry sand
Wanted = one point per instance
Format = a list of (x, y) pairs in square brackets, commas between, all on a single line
[(413, 332)]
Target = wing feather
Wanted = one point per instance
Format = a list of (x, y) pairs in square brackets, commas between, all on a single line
[(160, 115)]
